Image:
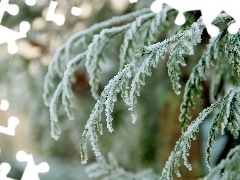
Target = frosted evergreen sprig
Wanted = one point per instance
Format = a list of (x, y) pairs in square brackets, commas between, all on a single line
[(67, 94), (51, 76), (98, 44), (133, 73), (183, 145), (227, 117), (64, 89), (72, 66), (141, 65), (227, 164), (57, 60), (232, 50), (148, 57), (142, 32), (104, 170), (198, 72), (176, 59), (95, 54), (234, 121), (194, 83), (55, 131), (231, 170), (95, 50), (107, 98), (157, 25), (83, 38), (184, 46), (223, 77), (226, 75), (133, 38), (220, 68), (143, 61)]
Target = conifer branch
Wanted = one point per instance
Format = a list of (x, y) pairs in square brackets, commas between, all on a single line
[(228, 164), (227, 117), (82, 38), (95, 54), (143, 61), (137, 58), (143, 31), (193, 85), (232, 50), (184, 143), (55, 131)]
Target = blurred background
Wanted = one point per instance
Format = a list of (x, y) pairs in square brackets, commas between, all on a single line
[(147, 144)]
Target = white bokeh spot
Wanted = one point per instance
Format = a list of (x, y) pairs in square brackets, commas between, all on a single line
[(31, 170), (12, 48), (24, 26), (10, 129), (4, 105), (13, 10), (4, 170), (7, 35), (30, 2), (156, 7), (133, 1), (59, 19), (76, 11)]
